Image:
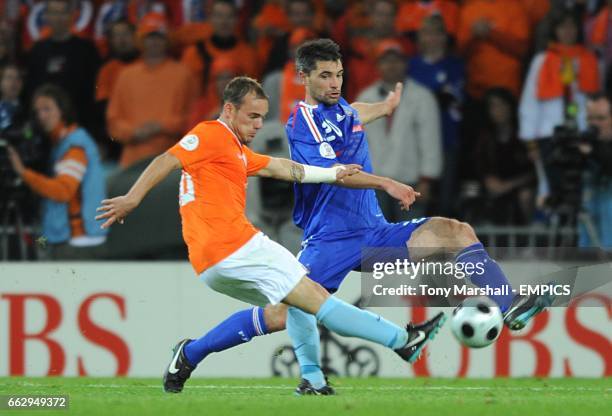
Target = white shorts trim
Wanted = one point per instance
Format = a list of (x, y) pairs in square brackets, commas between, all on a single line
[(260, 272)]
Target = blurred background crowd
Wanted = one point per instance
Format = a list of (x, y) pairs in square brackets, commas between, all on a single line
[(505, 119)]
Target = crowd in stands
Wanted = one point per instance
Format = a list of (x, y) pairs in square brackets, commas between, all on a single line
[(486, 86)]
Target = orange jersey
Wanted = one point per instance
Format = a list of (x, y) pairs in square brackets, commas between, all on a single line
[(64, 186), (213, 192)]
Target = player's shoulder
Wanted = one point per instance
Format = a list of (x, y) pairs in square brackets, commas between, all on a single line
[(346, 108), (201, 133), (303, 121)]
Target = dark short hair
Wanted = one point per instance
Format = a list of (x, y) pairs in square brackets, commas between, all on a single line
[(61, 98), (313, 51), (239, 87), (11, 65), (507, 97), (559, 16), (600, 95)]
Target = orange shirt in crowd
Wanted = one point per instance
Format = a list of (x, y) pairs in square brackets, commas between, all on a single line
[(536, 10), (212, 192), (107, 77), (411, 15), (488, 65), (242, 53), (291, 91), (163, 93), (64, 186)]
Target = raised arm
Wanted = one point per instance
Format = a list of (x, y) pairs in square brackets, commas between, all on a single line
[(371, 111), (116, 209)]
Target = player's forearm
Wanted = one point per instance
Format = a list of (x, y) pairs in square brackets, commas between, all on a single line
[(363, 180), (157, 170), (288, 170), (369, 112)]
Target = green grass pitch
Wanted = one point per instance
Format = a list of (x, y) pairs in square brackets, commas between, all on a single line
[(370, 397)]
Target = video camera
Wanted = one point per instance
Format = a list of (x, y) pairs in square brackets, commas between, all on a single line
[(567, 164), (31, 148)]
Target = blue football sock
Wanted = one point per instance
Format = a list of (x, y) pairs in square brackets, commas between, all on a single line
[(350, 321), (493, 275), (302, 329), (235, 330)]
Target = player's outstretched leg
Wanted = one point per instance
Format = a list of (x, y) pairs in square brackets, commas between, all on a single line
[(237, 329), (348, 320), (444, 233), (179, 369), (304, 334)]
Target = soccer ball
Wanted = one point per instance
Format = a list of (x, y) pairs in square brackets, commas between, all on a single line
[(477, 322)]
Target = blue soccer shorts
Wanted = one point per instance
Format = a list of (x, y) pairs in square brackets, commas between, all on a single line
[(331, 257)]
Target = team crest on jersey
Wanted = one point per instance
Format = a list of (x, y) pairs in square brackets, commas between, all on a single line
[(327, 151), (190, 142)]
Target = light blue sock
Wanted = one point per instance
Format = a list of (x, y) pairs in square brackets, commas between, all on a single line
[(302, 329), (350, 321)]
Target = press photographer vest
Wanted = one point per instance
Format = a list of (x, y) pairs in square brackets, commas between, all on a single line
[(56, 221)]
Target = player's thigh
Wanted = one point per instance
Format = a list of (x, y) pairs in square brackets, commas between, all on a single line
[(389, 242), (329, 261), (261, 272)]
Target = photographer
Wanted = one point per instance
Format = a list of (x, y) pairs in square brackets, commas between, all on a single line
[(76, 186), (555, 92), (597, 196), (15, 129)]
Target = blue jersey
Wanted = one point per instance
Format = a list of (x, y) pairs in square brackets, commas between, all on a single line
[(323, 136)]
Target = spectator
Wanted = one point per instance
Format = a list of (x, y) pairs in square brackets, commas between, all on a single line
[(65, 60), (284, 88), (109, 12), (301, 15), (151, 100), (11, 85), (598, 192), (583, 9), (599, 33), (558, 82), (270, 25), (208, 106), (503, 163), (223, 42), (36, 27), (412, 14), (6, 47), (492, 38), (123, 51), (361, 63), (16, 129), (443, 74), (405, 146), (72, 194)]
